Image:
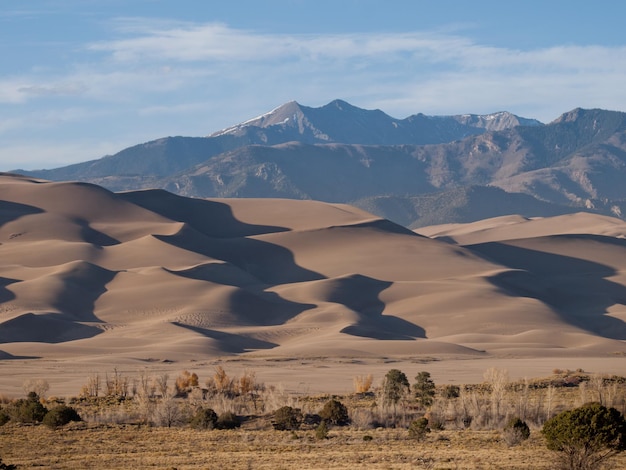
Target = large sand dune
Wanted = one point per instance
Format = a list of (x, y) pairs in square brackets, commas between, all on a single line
[(90, 275)]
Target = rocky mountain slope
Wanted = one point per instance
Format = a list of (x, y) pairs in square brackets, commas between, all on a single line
[(340, 153)]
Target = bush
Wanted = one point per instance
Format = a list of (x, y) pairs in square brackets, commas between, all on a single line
[(451, 391), (186, 382), (205, 418), (60, 416), (27, 410), (515, 432), (321, 432), (228, 420), (4, 417), (418, 429), (335, 412), (586, 436), (287, 418)]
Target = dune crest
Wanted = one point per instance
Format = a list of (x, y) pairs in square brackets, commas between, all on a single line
[(148, 274)]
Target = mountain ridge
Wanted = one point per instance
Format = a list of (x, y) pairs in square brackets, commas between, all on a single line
[(342, 153)]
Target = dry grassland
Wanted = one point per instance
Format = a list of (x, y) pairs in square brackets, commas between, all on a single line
[(120, 446), (111, 436)]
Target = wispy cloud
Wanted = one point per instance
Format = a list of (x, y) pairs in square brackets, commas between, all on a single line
[(454, 64), (188, 78), (53, 90)]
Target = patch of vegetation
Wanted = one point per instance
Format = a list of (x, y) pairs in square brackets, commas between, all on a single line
[(205, 418), (515, 432), (287, 418), (418, 429), (586, 437), (228, 420), (60, 416), (335, 412), (27, 410)]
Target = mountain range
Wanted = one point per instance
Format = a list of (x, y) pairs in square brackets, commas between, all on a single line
[(417, 171)]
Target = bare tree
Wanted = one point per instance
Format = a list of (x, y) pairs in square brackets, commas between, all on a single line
[(497, 379), (168, 412), (160, 382)]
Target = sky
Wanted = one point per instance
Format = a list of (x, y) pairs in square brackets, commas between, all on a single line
[(80, 79)]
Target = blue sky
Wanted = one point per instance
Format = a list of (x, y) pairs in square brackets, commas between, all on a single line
[(80, 79)]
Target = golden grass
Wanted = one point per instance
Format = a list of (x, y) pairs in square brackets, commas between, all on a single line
[(83, 446), (91, 444)]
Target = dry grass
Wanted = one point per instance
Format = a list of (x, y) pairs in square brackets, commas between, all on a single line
[(83, 446), (115, 436)]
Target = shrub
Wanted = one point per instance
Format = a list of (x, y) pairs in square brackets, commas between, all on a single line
[(228, 420), (27, 410), (321, 432), (586, 436), (418, 429), (168, 413), (205, 418), (424, 389), (515, 432), (335, 413), (363, 383), (287, 418), (60, 416), (4, 417), (185, 382), (451, 391)]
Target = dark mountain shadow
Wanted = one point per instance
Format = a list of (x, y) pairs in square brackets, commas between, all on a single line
[(578, 290), (5, 294), (361, 294), (211, 218), (10, 211), (234, 344)]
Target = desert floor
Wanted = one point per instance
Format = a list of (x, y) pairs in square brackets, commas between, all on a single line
[(295, 375)]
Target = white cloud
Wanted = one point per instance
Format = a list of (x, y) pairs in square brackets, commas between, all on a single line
[(157, 76), (53, 89)]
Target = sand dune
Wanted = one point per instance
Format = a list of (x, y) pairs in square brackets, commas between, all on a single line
[(87, 273)]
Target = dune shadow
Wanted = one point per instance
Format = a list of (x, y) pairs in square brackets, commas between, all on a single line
[(576, 289), (271, 264), (83, 285), (5, 294), (93, 236), (48, 328), (361, 294), (211, 218), (211, 229), (251, 304), (10, 211), (5, 356), (229, 342)]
